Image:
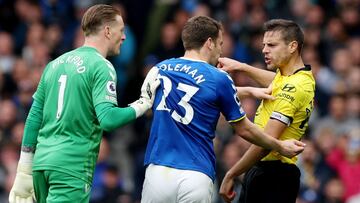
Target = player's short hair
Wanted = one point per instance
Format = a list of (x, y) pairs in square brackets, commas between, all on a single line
[(197, 30), (96, 16), (289, 29)]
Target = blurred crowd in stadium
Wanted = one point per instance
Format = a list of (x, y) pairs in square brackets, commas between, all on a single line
[(34, 32)]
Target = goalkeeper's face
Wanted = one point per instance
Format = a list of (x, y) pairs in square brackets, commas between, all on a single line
[(117, 36), (277, 52)]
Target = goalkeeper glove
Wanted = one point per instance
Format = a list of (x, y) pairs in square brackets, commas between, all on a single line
[(147, 96), (23, 190)]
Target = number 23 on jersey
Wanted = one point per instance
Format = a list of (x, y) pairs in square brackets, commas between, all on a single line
[(189, 90)]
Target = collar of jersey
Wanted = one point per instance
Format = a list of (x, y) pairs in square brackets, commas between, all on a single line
[(89, 48), (191, 59), (306, 68)]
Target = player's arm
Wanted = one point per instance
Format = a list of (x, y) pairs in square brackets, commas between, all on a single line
[(252, 156), (32, 127), (252, 133), (258, 93), (275, 127), (22, 189), (262, 77), (231, 108), (111, 117), (255, 153)]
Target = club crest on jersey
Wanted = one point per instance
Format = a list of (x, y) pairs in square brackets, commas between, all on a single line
[(289, 88), (111, 87)]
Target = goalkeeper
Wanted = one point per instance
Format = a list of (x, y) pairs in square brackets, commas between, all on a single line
[(74, 102)]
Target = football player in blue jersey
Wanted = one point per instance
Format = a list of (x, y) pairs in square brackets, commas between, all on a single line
[(180, 158)]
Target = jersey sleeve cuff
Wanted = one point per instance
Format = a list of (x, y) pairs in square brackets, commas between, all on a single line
[(236, 120)]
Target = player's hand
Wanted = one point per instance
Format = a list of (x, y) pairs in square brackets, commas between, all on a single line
[(23, 190), (291, 148), (148, 90), (229, 65), (227, 189), (262, 93)]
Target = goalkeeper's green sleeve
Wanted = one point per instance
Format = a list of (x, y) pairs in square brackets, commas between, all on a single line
[(32, 125), (112, 117)]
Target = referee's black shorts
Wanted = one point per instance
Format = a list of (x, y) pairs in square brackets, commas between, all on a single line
[(271, 182)]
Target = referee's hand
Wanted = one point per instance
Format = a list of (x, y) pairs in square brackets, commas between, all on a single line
[(227, 189)]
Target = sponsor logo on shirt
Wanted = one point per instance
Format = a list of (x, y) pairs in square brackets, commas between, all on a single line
[(286, 96), (289, 88)]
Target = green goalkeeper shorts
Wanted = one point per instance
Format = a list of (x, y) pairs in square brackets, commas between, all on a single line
[(54, 186)]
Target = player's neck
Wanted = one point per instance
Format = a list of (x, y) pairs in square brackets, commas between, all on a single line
[(97, 44), (196, 55), (292, 66)]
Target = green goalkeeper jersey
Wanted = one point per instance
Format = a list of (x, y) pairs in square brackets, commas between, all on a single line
[(70, 88)]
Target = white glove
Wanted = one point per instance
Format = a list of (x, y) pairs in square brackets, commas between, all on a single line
[(23, 190), (147, 95)]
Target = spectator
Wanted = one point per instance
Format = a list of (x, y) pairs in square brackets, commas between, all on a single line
[(337, 120), (7, 58), (345, 160), (315, 173)]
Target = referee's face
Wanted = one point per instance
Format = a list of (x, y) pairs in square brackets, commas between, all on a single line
[(276, 52)]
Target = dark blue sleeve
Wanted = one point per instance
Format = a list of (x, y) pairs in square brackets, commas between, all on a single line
[(229, 103)]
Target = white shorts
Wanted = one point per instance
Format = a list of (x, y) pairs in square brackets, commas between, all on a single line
[(167, 185)]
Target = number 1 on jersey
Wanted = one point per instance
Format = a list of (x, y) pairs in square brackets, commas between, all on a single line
[(62, 81)]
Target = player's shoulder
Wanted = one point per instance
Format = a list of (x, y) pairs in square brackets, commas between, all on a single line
[(299, 86), (304, 79), (222, 72), (190, 64), (183, 61), (92, 57), (218, 75), (164, 63), (104, 62)]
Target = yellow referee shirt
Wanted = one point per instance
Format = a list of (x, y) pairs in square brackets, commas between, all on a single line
[(293, 106)]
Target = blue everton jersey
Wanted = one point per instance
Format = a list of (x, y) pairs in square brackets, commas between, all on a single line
[(186, 109)]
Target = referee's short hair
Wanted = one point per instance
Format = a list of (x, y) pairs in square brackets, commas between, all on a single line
[(290, 31)]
